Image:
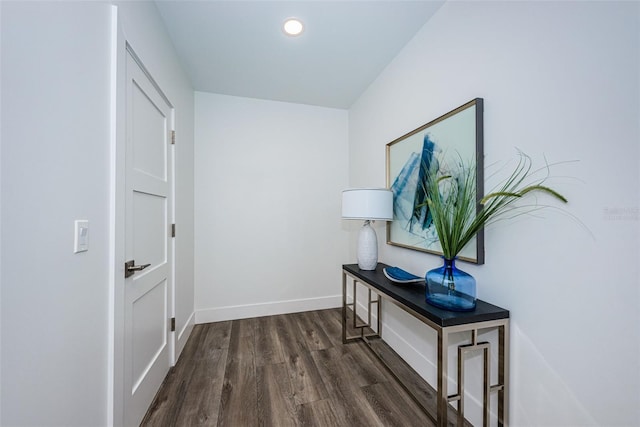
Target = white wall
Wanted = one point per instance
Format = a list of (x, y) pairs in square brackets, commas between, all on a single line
[(560, 79), (55, 168), (55, 145), (268, 177)]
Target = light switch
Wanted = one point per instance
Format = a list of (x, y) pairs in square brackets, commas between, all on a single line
[(81, 242)]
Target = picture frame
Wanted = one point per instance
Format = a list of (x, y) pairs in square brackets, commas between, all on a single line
[(453, 137)]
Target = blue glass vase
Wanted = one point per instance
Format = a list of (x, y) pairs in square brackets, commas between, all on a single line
[(451, 288)]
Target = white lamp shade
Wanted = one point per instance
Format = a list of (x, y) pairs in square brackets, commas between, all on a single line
[(367, 203)]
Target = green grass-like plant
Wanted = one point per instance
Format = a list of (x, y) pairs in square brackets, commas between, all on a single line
[(457, 213)]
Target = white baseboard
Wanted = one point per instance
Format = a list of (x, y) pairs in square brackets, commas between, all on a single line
[(235, 312), (419, 362), (424, 366), (183, 334)]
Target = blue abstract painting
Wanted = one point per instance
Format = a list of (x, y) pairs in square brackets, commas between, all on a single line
[(409, 193), (456, 135)]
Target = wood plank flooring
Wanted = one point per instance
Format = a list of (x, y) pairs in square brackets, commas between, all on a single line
[(285, 370)]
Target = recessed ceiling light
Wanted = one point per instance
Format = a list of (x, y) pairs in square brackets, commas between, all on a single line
[(293, 27)]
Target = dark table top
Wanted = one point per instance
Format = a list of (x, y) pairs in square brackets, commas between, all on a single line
[(412, 295)]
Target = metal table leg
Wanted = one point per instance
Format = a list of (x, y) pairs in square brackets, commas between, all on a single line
[(443, 369)]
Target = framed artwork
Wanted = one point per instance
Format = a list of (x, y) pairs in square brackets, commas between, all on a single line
[(452, 138)]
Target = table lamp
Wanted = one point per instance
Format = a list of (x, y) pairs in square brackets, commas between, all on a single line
[(368, 204)]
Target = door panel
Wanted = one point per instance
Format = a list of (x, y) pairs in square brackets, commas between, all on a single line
[(149, 331), (149, 156), (149, 228), (148, 292)]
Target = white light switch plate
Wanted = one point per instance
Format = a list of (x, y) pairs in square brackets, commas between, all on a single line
[(81, 240)]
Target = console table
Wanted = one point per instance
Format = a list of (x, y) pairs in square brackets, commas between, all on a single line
[(411, 298)]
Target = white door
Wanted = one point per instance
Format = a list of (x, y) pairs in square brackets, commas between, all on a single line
[(148, 291)]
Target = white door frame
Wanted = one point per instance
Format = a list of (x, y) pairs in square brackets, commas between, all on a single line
[(115, 393)]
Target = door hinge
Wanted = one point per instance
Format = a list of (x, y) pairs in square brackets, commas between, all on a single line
[(173, 137), (173, 324), (173, 230)]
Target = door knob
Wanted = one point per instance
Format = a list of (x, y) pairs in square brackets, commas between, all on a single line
[(130, 268)]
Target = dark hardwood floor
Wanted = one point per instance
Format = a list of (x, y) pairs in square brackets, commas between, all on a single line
[(286, 370)]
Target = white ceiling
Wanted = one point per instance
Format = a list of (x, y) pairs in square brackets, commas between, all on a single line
[(238, 47)]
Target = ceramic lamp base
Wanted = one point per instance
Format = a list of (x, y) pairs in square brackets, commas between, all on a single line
[(367, 247)]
